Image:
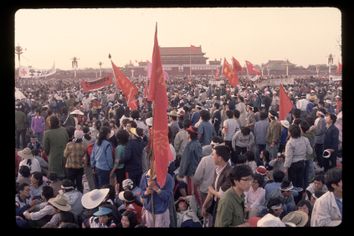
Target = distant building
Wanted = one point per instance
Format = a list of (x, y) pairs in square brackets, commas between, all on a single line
[(180, 61)]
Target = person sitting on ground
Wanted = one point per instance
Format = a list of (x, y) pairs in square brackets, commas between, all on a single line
[(60, 203), (29, 160), (67, 220), (130, 203), (74, 197), (128, 220), (102, 218), (318, 184), (24, 175), (305, 206), (41, 213), (186, 217)]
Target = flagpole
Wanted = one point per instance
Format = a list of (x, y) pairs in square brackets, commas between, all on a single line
[(248, 77), (190, 62)]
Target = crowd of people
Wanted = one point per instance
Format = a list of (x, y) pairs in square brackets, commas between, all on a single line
[(83, 159)]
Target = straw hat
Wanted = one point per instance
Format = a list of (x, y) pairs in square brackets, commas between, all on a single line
[(173, 113), (270, 220), (94, 198), (77, 112), (26, 153), (285, 123), (299, 218), (133, 131), (60, 202)]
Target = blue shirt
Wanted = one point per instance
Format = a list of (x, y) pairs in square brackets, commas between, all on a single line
[(205, 132), (161, 200), (340, 205), (101, 156)]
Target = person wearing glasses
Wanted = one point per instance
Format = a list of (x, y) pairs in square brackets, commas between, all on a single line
[(231, 208)]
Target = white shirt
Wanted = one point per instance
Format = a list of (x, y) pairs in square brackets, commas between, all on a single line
[(34, 167), (255, 198), (45, 209), (202, 176), (218, 172), (325, 211)]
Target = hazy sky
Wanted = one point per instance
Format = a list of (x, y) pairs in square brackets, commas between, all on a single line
[(302, 35)]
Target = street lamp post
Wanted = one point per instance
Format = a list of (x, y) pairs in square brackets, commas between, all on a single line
[(74, 65), (100, 64), (19, 50), (330, 62)]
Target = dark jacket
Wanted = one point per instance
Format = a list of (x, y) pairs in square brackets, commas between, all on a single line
[(133, 155), (190, 159), (331, 139)]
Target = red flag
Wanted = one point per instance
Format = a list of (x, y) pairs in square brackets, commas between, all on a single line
[(339, 69), (285, 105), (229, 73), (236, 67), (158, 95), (128, 88), (251, 69), (96, 84)]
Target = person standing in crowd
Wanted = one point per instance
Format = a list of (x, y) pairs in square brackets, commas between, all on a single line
[(101, 157), (331, 141), (273, 134), (74, 154), (202, 177), (216, 118), (156, 200), (55, 140), (242, 141), (309, 165), (241, 107), (196, 114), (118, 169), (190, 159), (260, 132), (181, 139), (205, 130), (250, 118), (230, 126), (283, 135), (296, 150), (231, 207), (320, 129), (174, 123), (221, 156), (38, 125), (88, 142), (20, 126), (328, 209), (133, 155)]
